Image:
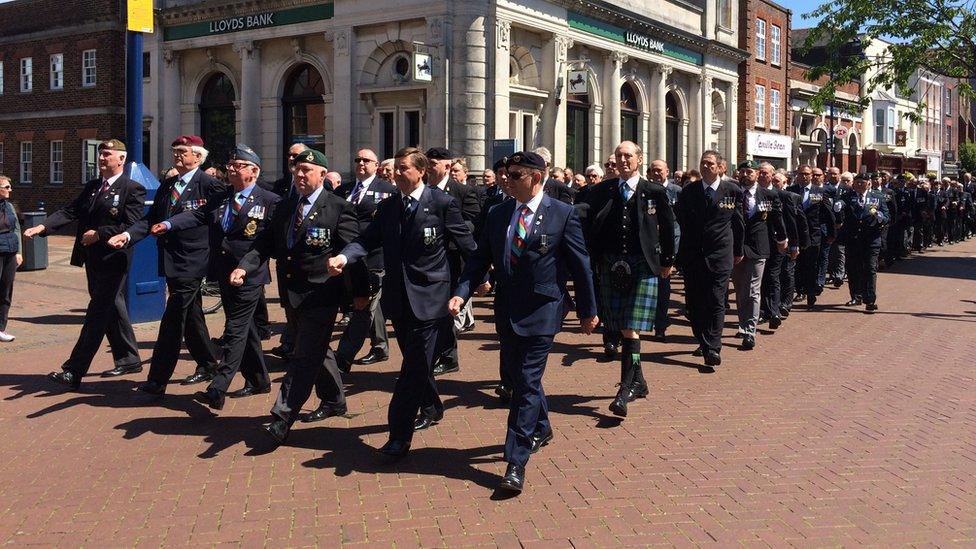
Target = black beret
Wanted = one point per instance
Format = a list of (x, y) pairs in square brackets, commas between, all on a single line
[(246, 154), (527, 159), (498, 165), (439, 153), (749, 164)]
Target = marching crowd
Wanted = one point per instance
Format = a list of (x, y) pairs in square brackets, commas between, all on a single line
[(410, 241)]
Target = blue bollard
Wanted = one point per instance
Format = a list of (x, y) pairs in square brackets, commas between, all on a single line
[(145, 290)]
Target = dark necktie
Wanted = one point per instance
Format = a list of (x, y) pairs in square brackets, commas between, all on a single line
[(357, 191), (299, 217)]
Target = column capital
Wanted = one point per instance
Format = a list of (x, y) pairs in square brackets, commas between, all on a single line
[(563, 45), (171, 56), (618, 58), (503, 34), (341, 39), (435, 30), (664, 70), (246, 48), (733, 93)]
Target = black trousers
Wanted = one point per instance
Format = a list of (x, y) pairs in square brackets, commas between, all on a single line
[(418, 341), (367, 322), (105, 317), (661, 319), (313, 361), (787, 283), (261, 319), (705, 293), (8, 271), (771, 285), (288, 334), (808, 270), (242, 340), (182, 322), (862, 271)]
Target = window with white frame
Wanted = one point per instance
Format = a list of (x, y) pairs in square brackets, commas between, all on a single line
[(879, 125), (890, 120), (760, 105), (57, 71), (947, 102), (774, 109), (26, 161), (775, 37), (89, 159), (1, 77), (57, 162), (761, 39), (26, 74), (88, 68)]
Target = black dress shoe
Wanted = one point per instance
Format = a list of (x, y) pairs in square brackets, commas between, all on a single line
[(282, 351), (775, 322), (838, 282), (539, 440), (152, 388), (784, 312), (610, 352), (444, 367), (395, 448), (373, 357), (748, 342), (277, 430), (698, 352), (122, 370), (854, 302), (712, 358), (660, 337), (211, 397), (504, 393), (871, 307), (198, 377), (762, 319), (325, 411), (70, 379), (344, 321), (344, 365), (639, 390), (514, 478), (249, 390), (424, 421), (619, 404), (811, 301)]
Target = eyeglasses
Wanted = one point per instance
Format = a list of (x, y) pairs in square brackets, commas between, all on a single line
[(609, 165), (363, 160), (181, 152), (5, 187), (516, 174), (239, 166), (592, 175)]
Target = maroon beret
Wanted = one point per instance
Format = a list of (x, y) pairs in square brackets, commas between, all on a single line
[(188, 141)]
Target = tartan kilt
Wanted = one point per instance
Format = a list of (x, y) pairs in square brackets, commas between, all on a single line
[(635, 308)]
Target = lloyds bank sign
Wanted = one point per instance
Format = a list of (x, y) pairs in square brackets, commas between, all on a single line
[(254, 21)]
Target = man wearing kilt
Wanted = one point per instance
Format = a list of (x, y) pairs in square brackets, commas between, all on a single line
[(630, 235)]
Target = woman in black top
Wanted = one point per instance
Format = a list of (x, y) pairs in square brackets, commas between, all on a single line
[(10, 257)]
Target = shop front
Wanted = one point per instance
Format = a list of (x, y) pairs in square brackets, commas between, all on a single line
[(770, 147)]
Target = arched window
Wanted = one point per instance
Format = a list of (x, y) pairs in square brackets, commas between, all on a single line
[(672, 126), (218, 121), (629, 114), (577, 131), (304, 108)]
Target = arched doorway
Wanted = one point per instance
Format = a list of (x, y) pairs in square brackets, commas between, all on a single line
[(304, 108), (578, 131), (218, 118), (629, 114), (672, 125)]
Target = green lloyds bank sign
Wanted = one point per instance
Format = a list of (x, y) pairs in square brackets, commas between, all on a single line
[(633, 39), (250, 22)]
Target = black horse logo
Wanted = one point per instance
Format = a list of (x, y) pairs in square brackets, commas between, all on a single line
[(576, 82), (424, 68)]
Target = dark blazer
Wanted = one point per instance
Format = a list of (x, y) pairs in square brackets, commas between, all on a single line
[(107, 214), (415, 252), (766, 227), (788, 213), (559, 190), (530, 297), (378, 190), (861, 228), (229, 248), (182, 254), (710, 233), (656, 229), (467, 200), (490, 203), (792, 203), (819, 214), (304, 266)]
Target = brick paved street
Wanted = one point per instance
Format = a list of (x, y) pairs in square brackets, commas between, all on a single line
[(843, 428)]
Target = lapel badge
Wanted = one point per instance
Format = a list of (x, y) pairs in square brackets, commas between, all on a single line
[(251, 228), (114, 211), (651, 206), (543, 244), (115, 201)]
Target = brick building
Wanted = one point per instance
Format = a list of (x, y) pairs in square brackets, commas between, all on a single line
[(764, 115), (62, 88)]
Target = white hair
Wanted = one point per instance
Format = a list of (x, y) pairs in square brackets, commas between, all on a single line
[(544, 153), (201, 151), (595, 168), (847, 176)]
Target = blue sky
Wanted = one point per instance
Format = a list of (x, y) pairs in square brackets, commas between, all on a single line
[(799, 8)]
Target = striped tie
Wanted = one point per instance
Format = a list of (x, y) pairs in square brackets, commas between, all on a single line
[(235, 208), (174, 193), (518, 238)]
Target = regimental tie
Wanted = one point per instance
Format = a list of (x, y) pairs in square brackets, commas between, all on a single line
[(357, 191), (101, 190), (518, 238), (299, 217), (625, 191), (176, 191), (235, 208)]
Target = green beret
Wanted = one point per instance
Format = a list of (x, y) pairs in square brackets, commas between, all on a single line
[(748, 165), (311, 156), (111, 145)]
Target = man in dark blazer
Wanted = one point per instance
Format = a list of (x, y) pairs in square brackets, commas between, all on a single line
[(771, 286), (865, 215), (765, 231), (106, 205), (413, 229), (365, 192), (658, 172), (529, 240), (554, 189), (817, 210), (183, 258), (917, 209), (630, 237), (307, 230), (235, 221), (439, 177), (710, 215), (791, 201)]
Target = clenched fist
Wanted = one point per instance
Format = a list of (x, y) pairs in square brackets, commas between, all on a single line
[(455, 305), (237, 277), (336, 264), (118, 241), (158, 229)]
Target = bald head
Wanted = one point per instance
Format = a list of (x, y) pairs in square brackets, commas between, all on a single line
[(658, 171)]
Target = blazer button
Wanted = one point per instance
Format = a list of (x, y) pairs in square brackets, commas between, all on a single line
[(288, 275)]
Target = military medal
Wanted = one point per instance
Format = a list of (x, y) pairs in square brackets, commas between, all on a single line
[(251, 228), (651, 206), (430, 234), (114, 211), (544, 244), (257, 212)]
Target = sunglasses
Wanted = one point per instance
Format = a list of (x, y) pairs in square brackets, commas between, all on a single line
[(363, 160)]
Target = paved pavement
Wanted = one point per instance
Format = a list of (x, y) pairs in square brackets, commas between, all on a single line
[(843, 428)]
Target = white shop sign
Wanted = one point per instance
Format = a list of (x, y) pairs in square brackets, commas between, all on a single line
[(769, 145)]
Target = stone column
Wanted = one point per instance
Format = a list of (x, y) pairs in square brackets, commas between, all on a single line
[(554, 55), (343, 40), (436, 128), (469, 94), (170, 101), (732, 123), (709, 19), (695, 138), (706, 98), (614, 66), (503, 30), (250, 91), (661, 129)]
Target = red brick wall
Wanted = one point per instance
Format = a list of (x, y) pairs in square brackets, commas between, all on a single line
[(754, 72)]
